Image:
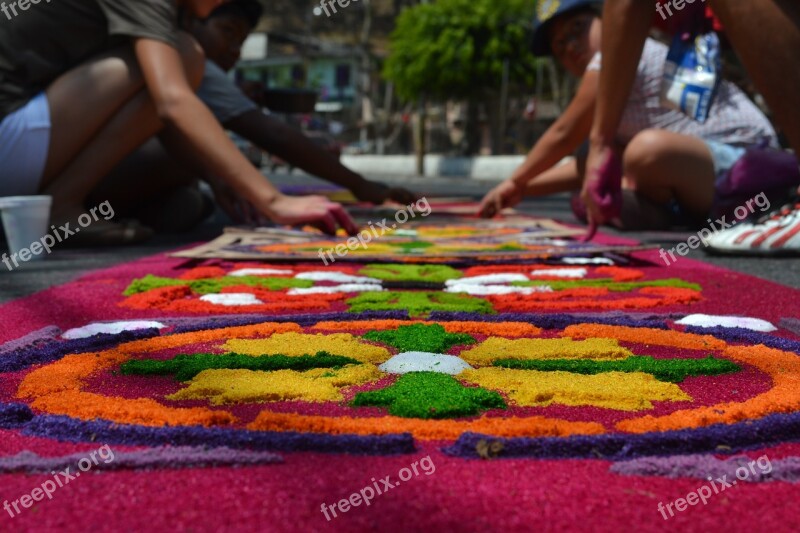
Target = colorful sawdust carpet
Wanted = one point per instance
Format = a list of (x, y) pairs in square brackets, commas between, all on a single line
[(441, 238), (247, 395)]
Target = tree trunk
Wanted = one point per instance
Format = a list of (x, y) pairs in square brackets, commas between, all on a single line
[(472, 130), (419, 137), (367, 111)]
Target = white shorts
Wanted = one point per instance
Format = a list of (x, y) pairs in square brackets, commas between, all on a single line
[(24, 142)]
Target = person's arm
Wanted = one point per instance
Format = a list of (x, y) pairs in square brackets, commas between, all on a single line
[(626, 25), (558, 142), (564, 136), (178, 107), (280, 139)]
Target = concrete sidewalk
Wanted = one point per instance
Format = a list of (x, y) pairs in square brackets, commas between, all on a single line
[(490, 168)]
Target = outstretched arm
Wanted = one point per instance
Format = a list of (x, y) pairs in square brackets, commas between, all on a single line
[(180, 109), (286, 142), (626, 24), (559, 141)]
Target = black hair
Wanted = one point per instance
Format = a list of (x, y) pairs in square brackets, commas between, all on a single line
[(251, 10)]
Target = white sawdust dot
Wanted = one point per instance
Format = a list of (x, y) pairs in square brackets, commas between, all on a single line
[(496, 290), (260, 272), (336, 277), (488, 279), (587, 261), (711, 321), (424, 362), (574, 273), (336, 289), (110, 328), (231, 299)]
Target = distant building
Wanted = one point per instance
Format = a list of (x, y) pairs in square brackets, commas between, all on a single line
[(301, 62)]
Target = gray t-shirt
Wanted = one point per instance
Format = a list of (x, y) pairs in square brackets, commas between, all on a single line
[(42, 42), (222, 96), (733, 119)]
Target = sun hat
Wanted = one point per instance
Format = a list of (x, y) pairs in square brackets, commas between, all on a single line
[(546, 13)]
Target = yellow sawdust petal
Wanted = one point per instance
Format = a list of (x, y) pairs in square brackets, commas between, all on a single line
[(633, 391), (494, 348), (240, 386), (296, 344)]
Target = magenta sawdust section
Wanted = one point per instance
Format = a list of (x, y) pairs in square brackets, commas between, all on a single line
[(504, 394)]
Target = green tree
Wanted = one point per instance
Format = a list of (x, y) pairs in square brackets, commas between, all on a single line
[(459, 49), (455, 48)]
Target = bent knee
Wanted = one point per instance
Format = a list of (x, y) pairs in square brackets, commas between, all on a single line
[(645, 149), (193, 58)]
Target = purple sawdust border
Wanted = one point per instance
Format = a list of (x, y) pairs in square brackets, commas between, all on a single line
[(703, 466), (14, 415), (718, 438), (36, 338), (160, 457), (749, 336), (70, 429), (554, 321), (56, 349), (202, 323)]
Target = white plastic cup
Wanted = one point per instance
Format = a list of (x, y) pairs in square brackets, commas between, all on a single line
[(26, 220)]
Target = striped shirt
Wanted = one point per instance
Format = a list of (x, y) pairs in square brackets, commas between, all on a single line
[(733, 120)]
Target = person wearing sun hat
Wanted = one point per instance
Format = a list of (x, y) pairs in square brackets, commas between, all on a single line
[(672, 164), (547, 11)]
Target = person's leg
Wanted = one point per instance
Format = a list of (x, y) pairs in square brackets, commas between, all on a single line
[(154, 188), (665, 167), (100, 113), (146, 173), (766, 36)]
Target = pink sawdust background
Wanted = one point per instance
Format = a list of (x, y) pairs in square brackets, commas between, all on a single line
[(462, 495)]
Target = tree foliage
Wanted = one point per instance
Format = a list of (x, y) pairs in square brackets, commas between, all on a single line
[(457, 48)]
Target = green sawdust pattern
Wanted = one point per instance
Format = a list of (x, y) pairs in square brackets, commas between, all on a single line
[(426, 273), (511, 247), (610, 284), (213, 286), (418, 303), (420, 338), (187, 366), (430, 395), (409, 247), (670, 370)]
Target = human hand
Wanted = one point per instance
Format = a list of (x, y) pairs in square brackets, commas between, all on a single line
[(602, 189), (507, 194), (237, 208), (317, 211)]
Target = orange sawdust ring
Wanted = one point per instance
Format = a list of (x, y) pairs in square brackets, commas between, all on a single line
[(536, 426), (501, 329), (57, 388)]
